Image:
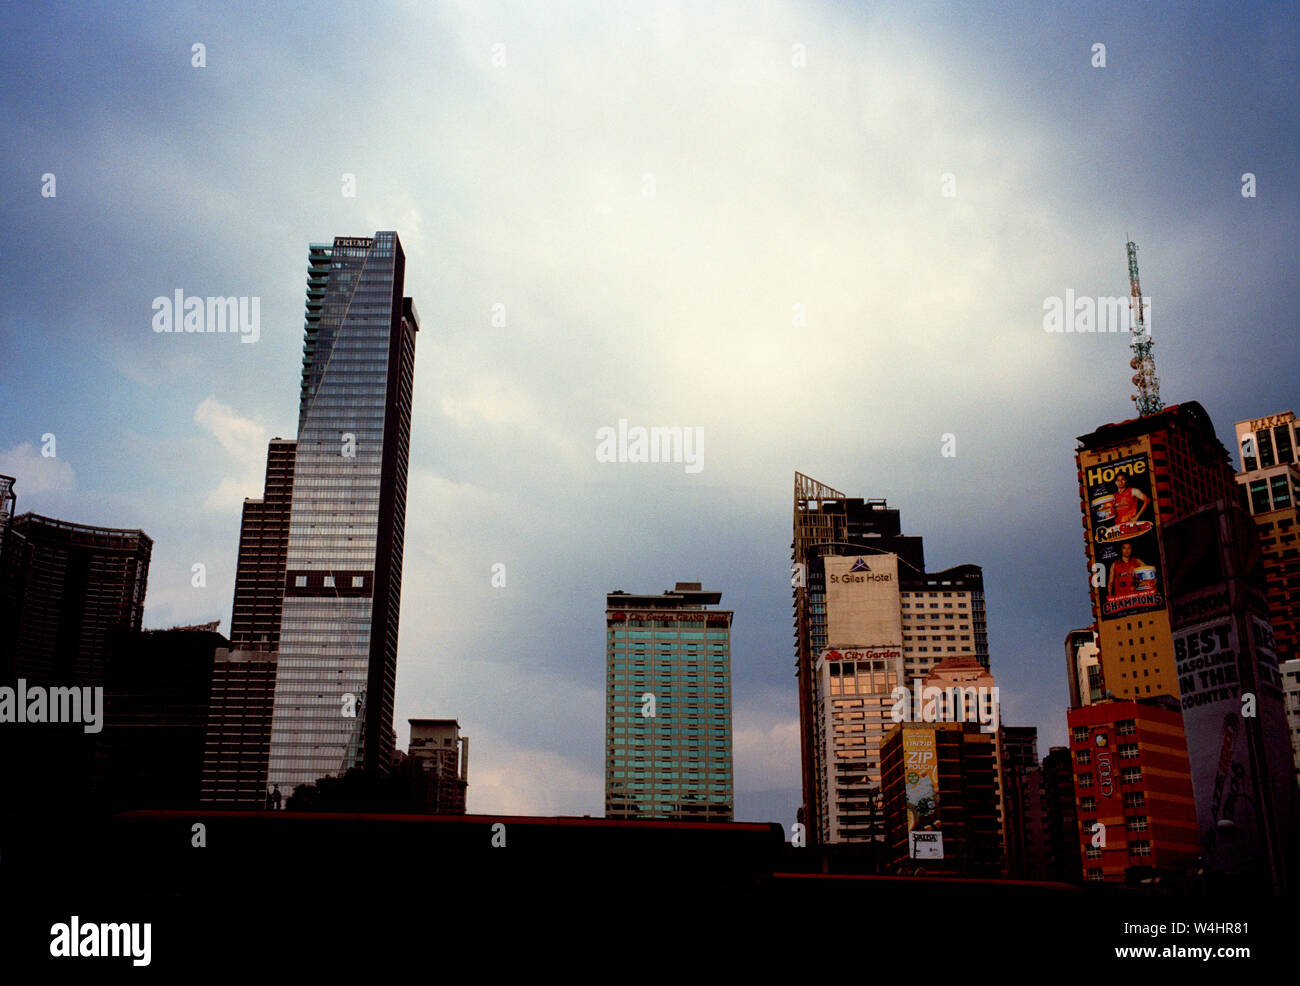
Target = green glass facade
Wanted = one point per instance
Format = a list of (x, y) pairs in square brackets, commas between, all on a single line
[(668, 706)]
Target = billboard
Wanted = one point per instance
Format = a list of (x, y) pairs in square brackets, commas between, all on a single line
[(1230, 689), (1122, 529), (921, 786), (1206, 656), (862, 601)]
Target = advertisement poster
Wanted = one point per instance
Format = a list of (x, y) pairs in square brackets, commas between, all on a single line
[(1206, 657), (921, 783), (1226, 787), (1122, 521)]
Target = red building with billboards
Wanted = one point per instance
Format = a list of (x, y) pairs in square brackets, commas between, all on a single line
[(1131, 777)]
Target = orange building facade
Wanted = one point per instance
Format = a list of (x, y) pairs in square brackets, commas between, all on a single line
[(1133, 788)]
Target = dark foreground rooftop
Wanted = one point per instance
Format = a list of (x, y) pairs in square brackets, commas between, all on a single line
[(325, 892)]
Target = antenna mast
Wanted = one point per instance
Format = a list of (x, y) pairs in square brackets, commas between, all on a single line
[(1145, 380)]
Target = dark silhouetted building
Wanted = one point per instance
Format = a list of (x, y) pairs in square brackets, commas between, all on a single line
[(238, 737), (1024, 807), (263, 549), (65, 590), (438, 762), (15, 561), (82, 583), (1062, 816), (156, 692)]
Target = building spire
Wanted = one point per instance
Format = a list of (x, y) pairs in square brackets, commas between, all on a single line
[(1145, 380)]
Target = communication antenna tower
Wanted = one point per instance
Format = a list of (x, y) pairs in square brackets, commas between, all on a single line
[(1145, 380)]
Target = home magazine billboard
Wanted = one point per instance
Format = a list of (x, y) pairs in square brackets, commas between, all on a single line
[(1122, 529)]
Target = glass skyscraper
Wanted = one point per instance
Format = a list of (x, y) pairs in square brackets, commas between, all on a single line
[(668, 706), (337, 661)]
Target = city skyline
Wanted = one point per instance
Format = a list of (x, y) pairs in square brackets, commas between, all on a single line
[(686, 317)]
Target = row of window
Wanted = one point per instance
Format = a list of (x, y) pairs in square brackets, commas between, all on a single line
[(1138, 847), (1280, 489), (640, 659), (670, 635), (664, 730), (358, 581), (1132, 799), (1129, 775), (1123, 727), (1272, 448), (1127, 751)]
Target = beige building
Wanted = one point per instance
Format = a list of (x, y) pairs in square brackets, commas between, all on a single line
[(1083, 666), (1270, 478), (868, 618), (882, 637)]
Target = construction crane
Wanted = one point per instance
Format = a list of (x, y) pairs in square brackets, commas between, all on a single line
[(1145, 380)]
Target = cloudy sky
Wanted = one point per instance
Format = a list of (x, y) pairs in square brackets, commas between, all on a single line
[(823, 233)]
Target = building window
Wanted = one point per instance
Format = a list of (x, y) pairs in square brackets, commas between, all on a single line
[(1094, 875), (1249, 462), (1281, 492), (1084, 756), (1138, 823), (1140, 847), (1084, 780), (1081, 734), (329, 582), (1264, 442), (1130, 775), (1088, 803), (1126, 727), (1093, 852), (1259, 496), (359, 582), (1282, 437), (300, 581)]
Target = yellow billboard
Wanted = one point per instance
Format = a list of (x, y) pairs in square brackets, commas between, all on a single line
[(921, 784)]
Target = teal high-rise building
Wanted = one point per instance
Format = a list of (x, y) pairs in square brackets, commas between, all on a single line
[(668, 706)]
